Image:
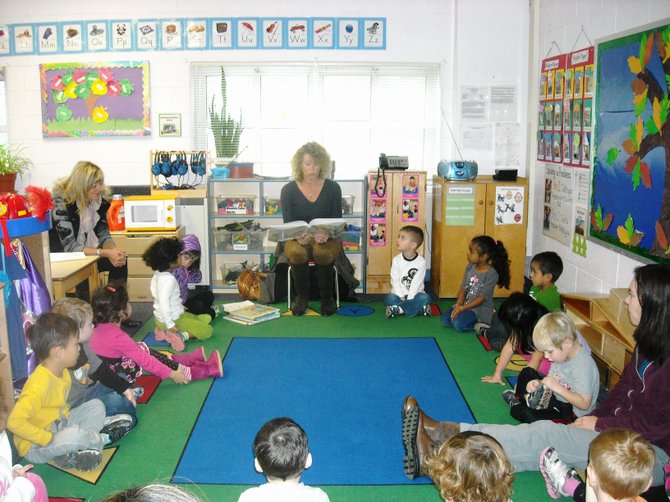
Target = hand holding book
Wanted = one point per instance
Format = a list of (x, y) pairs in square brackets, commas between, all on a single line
[(319, 229)]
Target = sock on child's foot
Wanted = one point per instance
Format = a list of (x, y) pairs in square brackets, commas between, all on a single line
[(186, 371), (572, 482)]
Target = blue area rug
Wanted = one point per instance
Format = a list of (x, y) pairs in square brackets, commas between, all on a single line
[(346, 394)]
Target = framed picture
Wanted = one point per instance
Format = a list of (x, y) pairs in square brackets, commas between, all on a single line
[(169, 124)]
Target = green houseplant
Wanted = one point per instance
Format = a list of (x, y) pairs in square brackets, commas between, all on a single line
[(226, 129), (12, 162)]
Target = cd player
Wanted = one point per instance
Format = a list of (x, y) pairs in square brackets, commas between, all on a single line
[(457, 170)]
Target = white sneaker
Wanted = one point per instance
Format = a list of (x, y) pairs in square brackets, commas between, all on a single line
[(555, 472)]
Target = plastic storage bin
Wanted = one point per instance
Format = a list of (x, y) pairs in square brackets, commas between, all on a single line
[(351, 240), (243, 240), (348, 204), (243, 204), (271, 205)]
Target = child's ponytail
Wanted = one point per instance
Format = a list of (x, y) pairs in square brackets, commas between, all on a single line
[(497, 255)]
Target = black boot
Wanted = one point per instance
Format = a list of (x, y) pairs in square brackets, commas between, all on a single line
[(325, 276), (301, 283)]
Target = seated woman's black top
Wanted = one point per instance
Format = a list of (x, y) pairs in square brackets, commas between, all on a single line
[(296, 207)]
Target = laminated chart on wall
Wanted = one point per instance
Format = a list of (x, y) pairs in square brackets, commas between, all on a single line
[(565, 108), (378, 210), (178, 34), (410, 199), (509, 205), (459, 210), (558, 202)]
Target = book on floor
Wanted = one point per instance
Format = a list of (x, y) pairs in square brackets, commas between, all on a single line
[(253, 313), (294, 229)]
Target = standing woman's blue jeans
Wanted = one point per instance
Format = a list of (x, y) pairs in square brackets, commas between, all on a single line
[(410, 307), (464, 322)]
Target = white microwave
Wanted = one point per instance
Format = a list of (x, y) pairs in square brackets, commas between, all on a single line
[(151, 212)]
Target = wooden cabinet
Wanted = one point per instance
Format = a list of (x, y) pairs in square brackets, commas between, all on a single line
[(395, 199), (463, 210), (139, 275), (604, 323)]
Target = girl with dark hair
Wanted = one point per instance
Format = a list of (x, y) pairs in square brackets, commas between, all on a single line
[(173, 323), (519, 314), (640, 402), (188, 272), (488, 266), (128, 358)]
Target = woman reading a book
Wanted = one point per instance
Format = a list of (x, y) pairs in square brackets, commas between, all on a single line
[(312, 195)]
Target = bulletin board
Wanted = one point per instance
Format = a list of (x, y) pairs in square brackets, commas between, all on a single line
[(630, 194), (89, 99)]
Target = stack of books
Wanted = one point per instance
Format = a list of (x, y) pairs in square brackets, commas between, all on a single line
[(252, 314)]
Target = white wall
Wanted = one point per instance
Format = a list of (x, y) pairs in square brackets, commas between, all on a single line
[(437, 31), (561, 22)]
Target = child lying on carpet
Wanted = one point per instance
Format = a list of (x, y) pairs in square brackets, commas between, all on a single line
[(281, 454), (471, 467), (173, 323), (127, 358)]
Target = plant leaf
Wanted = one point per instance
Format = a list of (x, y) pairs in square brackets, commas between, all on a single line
[(629, 147), (656, 113), (622, 235), (638, 86), (639, 131), (612, 155), (636, 237), (607, 221), (635, 176), (630, 225), (640, 102), (647, 49), (634, 65), (645, 174), (630, 164), (650, 126)]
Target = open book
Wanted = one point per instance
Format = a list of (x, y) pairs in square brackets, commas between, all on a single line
[(251, 313), (294, 229)]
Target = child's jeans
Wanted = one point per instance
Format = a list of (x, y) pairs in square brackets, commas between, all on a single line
[(79, 431), (114, 402), (412, 307), (465, 321)]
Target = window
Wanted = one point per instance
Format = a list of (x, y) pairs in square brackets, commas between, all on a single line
[(355, 111)]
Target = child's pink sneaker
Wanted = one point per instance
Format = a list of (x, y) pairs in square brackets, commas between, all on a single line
[(176, 340), (159, 334)]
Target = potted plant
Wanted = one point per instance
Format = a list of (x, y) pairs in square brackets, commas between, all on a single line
[(226, 129), (12, 162)]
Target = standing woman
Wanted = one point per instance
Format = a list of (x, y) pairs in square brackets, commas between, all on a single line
[(80, 220), (311, 195)]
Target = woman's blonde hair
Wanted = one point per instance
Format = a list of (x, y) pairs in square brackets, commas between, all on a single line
[(320, 156), (74, 187), (623, 462), (472, 467), (552, 330)]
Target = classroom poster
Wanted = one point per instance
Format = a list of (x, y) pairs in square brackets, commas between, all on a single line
[(509, 205), (630, 204), (558, 202)]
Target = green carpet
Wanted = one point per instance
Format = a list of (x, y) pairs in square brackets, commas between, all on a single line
[(151, 452)]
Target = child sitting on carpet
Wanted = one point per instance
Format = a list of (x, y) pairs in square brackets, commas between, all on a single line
[(519, 314), (281, 454), (173, 323), (545, 269), (408, 273), (44, 426), (571, 386), (91, 379), (188, 272), (16, 483), (621, 464), (471, 467), (127, 358), (488, 266)]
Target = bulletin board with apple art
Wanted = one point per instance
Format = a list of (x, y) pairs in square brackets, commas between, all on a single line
[(93, 99)]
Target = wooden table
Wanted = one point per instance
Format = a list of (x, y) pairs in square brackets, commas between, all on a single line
[(65, 275)]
